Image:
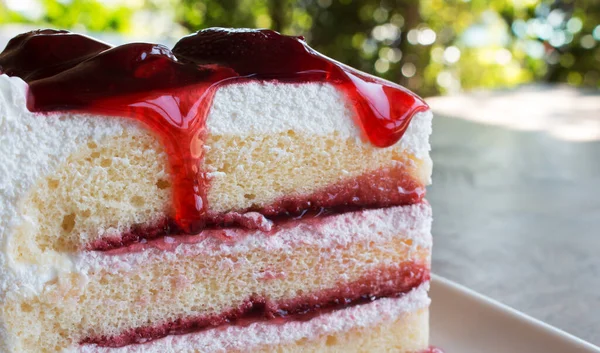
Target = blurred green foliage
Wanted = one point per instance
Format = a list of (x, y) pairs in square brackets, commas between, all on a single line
[(430, 46), (91, 15)]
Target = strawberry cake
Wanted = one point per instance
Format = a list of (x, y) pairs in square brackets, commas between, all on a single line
[(239, 192)]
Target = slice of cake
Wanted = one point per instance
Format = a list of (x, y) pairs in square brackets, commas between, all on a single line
[(239, 193)]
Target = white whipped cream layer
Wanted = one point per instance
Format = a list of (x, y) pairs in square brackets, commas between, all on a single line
[(236, 338)]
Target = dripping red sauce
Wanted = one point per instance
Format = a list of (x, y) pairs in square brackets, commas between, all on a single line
[(382, 283), (170, 91)]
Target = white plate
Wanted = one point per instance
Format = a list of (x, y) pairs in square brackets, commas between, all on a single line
[(463, 321)]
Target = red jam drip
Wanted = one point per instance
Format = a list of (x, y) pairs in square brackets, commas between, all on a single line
[(171, 92)]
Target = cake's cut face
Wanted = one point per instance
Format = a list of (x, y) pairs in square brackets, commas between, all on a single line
[(240, 193)]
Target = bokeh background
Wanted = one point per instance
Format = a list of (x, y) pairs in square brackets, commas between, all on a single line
[(431, 46)]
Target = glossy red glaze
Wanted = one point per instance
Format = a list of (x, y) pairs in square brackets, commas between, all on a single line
[(385, 282), (46, 52), (171, 91)]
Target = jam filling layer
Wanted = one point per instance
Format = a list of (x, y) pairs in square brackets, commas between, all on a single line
[(383, 283), (377, 189), (171, 91)]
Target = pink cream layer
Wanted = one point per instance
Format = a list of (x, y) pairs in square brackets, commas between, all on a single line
[(371, 226)]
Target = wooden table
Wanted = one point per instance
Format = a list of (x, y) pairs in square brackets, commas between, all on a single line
[(516, 199)]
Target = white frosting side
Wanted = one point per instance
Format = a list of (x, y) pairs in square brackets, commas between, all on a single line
[(32, 146), (368, 226), (416, 138), (317, 108), (236, 338)]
